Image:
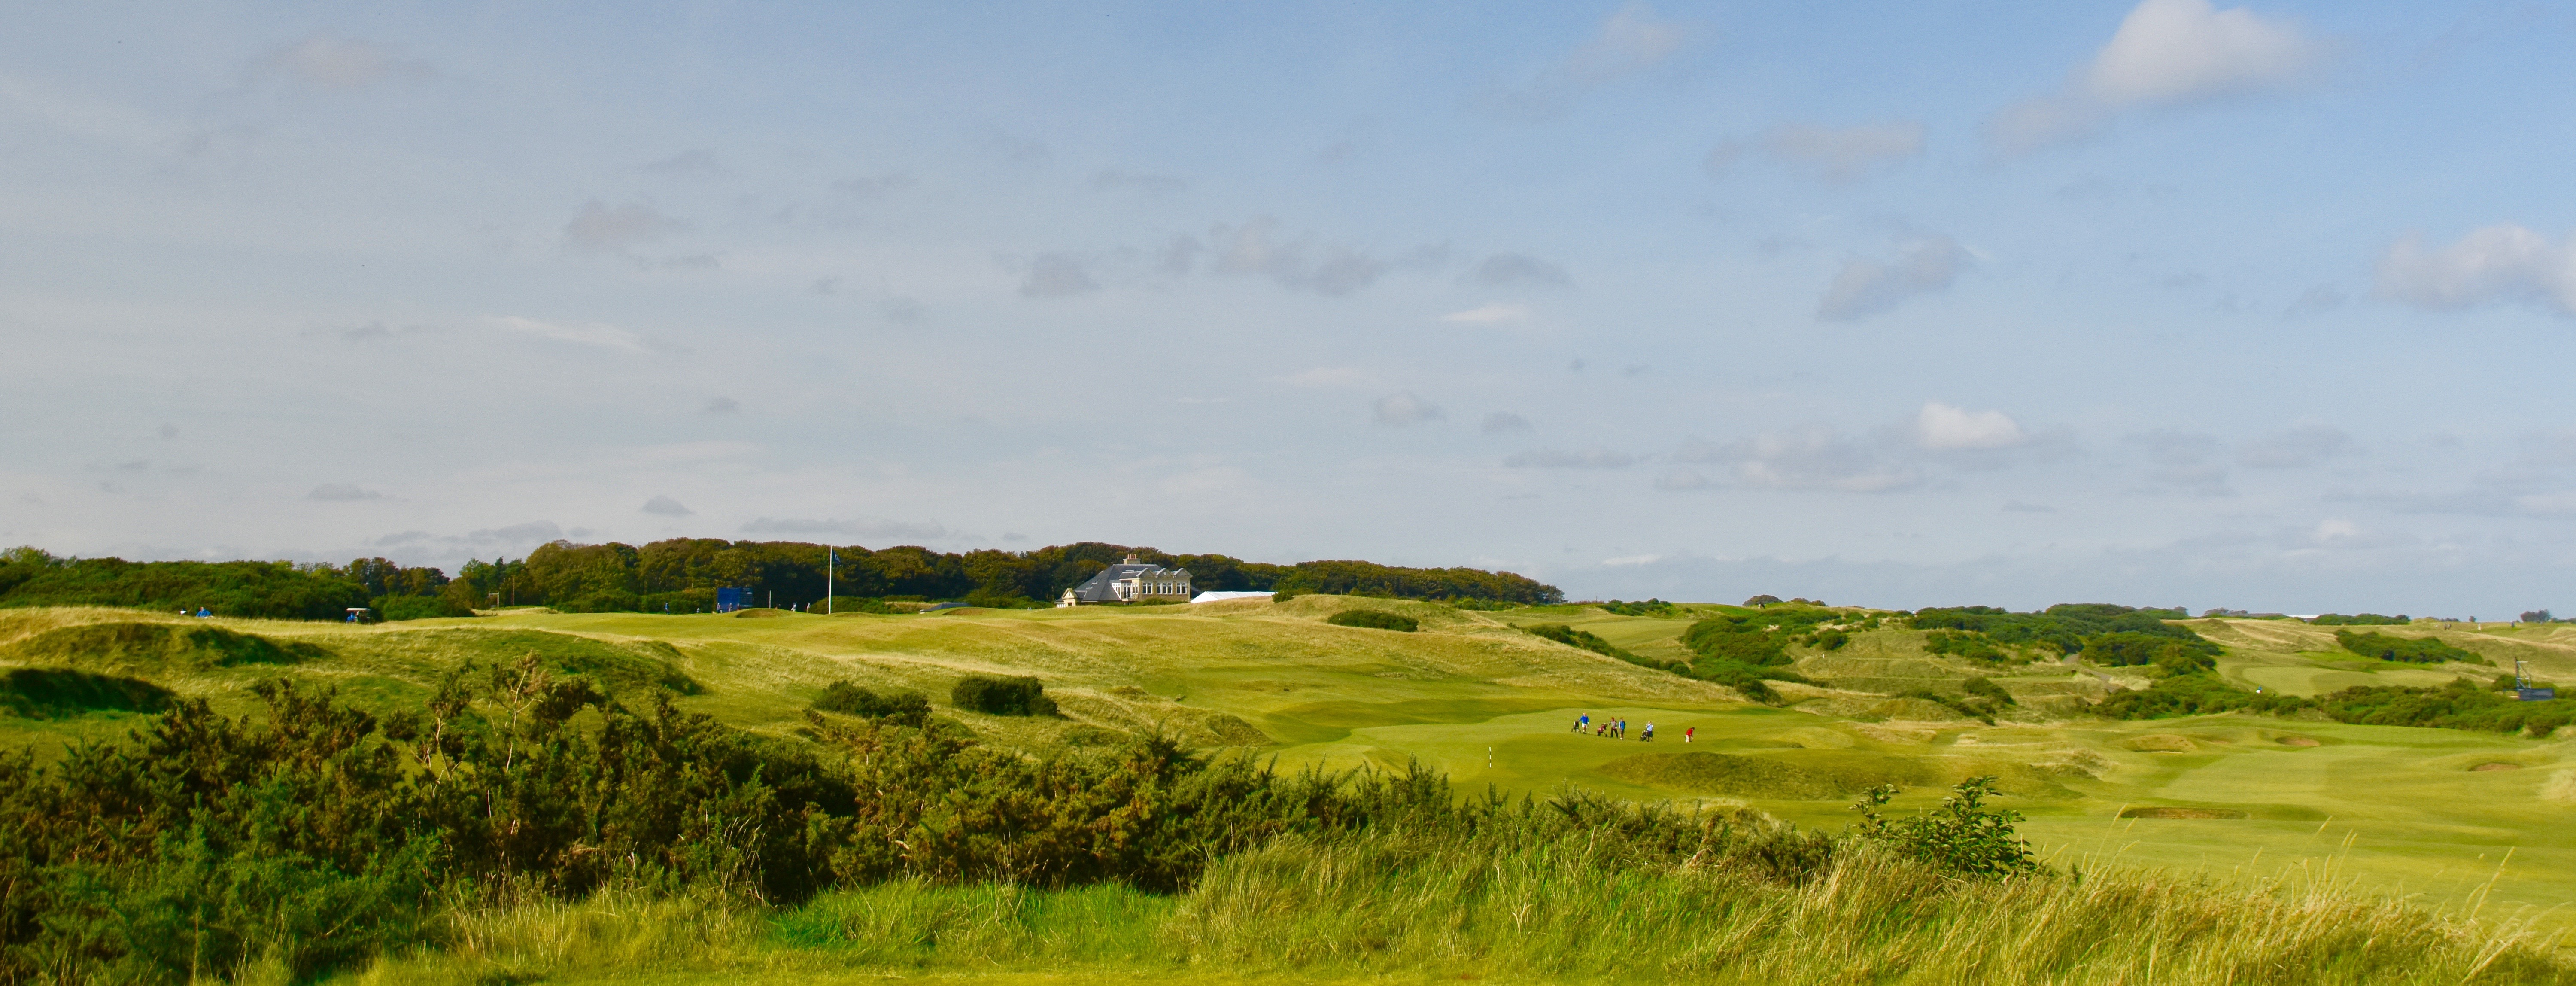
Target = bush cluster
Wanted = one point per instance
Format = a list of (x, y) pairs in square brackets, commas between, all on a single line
[(904, 708), (2360, 620), (2410, 650), (264, 589), (2104, 633), (1001, 696), (317, 835), (1749, 651), (1374, 620), (1651, 607)]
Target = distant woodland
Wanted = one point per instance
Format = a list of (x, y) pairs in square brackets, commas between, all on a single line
[(681, 575)]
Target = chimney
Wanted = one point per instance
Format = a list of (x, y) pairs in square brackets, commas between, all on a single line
[(1131, 559)]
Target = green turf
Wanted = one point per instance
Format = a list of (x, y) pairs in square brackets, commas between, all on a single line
[(1472, 695)]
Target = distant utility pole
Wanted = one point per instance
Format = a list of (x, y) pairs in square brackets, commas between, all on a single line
[(835, 555)]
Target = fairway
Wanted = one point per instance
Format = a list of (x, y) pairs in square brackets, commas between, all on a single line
[(2424, 812)]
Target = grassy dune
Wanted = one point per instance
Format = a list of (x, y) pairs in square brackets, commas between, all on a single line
[(2429, 814)]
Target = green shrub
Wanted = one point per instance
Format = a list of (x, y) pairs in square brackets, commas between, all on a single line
[(420, 607), (1830, 640), (1651, 607), (1982, 688), (1765, 599), (55, 693), (2410, 650), (2164, 655), (906, 708), (2458, 705), (1962, 643), (2361, 620), (1962, 836), (997, 696), (1373, 619), (1284, 595)]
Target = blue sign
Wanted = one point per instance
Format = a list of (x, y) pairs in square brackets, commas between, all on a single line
[(728, 600), (2535, 694)]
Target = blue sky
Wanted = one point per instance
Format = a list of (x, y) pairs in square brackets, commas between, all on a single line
[(2261, 307)]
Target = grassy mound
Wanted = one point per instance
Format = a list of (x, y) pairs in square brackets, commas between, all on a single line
[(616, 666), (157, 648)]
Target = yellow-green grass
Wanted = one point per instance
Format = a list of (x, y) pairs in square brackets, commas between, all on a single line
[(1396, 907), (1470, 694)]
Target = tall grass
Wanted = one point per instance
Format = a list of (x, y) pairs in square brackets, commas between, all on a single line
[(1387, 903)]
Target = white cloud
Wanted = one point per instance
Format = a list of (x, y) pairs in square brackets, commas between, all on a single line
[(535, 530), (664, 506), (1333, 377), (586, 333), (1516, 270), (700, 163), (2503, 262), (326, 62), (603, 228), (1941, 427), (1399, 410), (341, 493), (1500, 422), (1255, 248), (871, 186), (1683, 479), (1809, 457), (863, 527), (1593, 458), (1632, 40), (2297, 448), (1833, 154), (1632, 560), (2174, 51), (1056, 275), (2183, 461), (1867, 287), (2166, 53), (1489, 314)]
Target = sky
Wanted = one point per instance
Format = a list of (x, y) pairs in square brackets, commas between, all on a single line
[(2261, 307)]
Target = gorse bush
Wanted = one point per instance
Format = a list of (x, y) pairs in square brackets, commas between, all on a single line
[(2410, 650), (1373, 619), (318, 837), (1962, 836), (903, 708), (1015, 696)]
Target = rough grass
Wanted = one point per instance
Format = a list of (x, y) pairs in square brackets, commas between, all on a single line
[(1387, 907)]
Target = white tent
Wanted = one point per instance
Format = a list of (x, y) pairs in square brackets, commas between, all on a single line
[(1218, 597)]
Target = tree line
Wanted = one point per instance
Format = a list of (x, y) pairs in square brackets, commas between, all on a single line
[(682, 575)]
